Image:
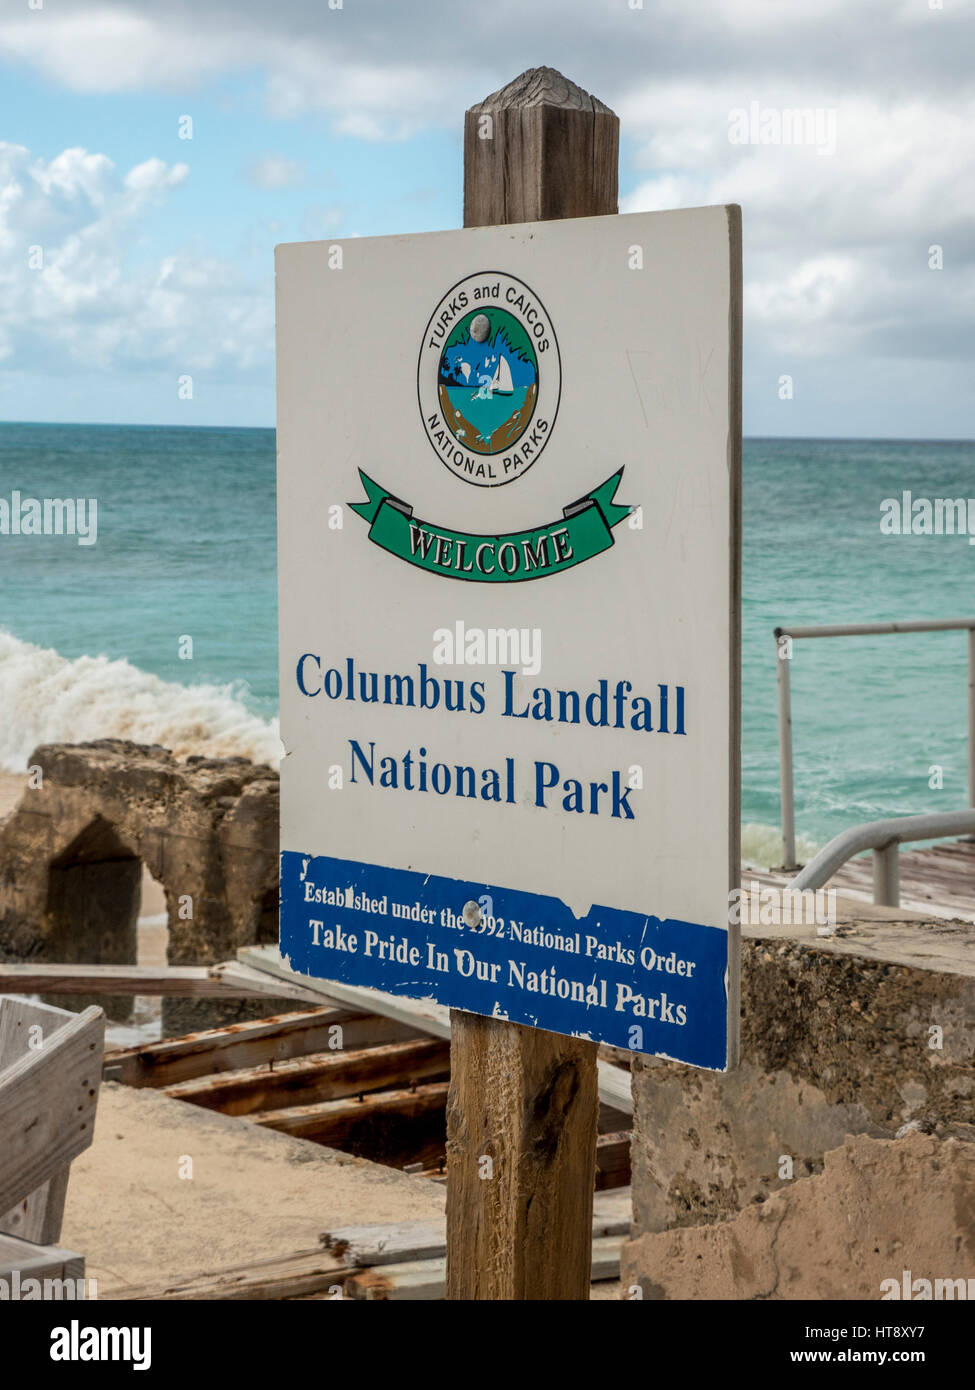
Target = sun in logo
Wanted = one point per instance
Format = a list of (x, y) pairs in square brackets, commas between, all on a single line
[(488, 381)]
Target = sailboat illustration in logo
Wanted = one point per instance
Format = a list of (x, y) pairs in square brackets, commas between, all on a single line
[(488, 381), (502, 385)]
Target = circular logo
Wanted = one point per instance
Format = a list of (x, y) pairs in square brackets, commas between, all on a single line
[(489, 379)]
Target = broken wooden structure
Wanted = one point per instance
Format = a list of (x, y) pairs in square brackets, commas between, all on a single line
[(398, 1261), (361, 1071), (50, 1073)]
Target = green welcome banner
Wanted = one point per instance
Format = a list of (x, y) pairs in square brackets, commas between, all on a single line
[(584, 530)]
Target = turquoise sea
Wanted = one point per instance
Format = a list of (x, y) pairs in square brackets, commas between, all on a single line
[(90, 637), (486, 414)]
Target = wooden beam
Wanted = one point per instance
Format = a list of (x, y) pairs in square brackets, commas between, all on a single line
[(526, 1099), (178, 981), (384, 1243), (48, 1097), (426, 1279), (396, 1242), (613, 1160), (234, 973), (303, 1081), (388, 1126), (284, 1276), (36, 1261), (422, 1014), (244, 1045)]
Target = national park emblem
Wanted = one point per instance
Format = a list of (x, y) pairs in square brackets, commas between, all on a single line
[(489, 379)]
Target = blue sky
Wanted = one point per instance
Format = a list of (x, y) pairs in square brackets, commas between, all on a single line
[(310, 122)]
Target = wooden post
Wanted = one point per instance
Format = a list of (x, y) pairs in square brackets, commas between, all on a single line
[(523, 1106)]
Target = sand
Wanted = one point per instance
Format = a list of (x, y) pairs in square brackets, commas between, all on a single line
[(254, 1193)]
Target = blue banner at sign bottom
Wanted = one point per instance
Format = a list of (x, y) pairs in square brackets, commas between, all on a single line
[(617, 977)]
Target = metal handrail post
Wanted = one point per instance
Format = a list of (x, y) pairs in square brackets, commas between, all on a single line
[(785, 757), (971, 716), (886, 875), (785, 706)]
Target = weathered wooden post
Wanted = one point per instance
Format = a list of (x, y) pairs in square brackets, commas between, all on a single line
[(539, 149)]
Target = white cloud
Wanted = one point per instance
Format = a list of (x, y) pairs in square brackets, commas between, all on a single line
[(274, 172), (836, 245), (70, 298)]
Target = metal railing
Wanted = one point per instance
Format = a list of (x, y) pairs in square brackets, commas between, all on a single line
[(884, 837), (785, 707)]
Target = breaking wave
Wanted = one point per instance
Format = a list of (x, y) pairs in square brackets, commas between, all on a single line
[(761, 846), (48, 698)]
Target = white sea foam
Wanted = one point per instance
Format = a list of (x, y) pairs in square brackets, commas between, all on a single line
[(761, 846), (47, 698)]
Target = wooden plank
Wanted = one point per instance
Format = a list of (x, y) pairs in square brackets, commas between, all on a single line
[(613, 1160), (243, 1045), (388, 1126), (47, 1103), (235, 972), (414, 1281), (18, 1017), (426, 1279), (387, 1242), (614, 1082), (39, 1216), (174, 981), (422, 1014), (606, 1258), (384, 1243), (31, 1260), (612, 1213), (287, 1276), (327, 1076)]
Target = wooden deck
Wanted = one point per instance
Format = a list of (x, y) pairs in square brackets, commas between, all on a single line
[(935, 882)]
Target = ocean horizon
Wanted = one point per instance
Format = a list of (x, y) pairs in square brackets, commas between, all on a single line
[(165, 629)]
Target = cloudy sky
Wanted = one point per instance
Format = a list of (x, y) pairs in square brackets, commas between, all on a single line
[(130, 256)]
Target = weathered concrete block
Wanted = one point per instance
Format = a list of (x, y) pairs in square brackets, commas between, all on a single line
[(72, 850), (879, 1208), (838, 1036)]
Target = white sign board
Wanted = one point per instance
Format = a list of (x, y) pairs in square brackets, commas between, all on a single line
[(509, 464)]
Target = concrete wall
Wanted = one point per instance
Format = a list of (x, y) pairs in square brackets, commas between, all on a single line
[(883, 1217), (836, 1041)]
